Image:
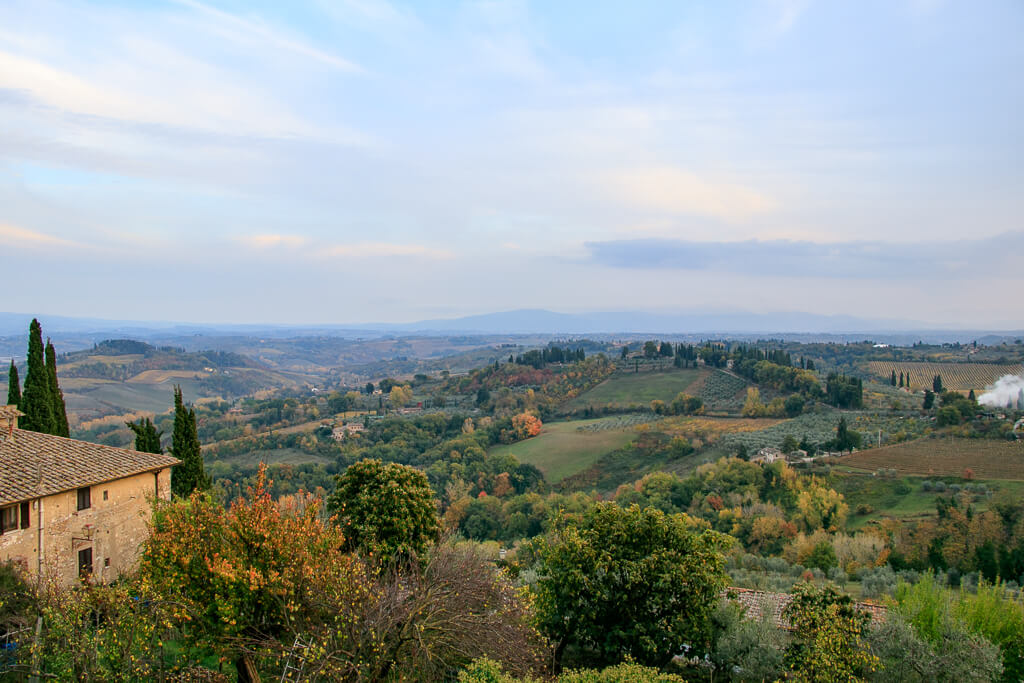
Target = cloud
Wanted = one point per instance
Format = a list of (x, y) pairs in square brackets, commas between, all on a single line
[(674, 190), (275, 38), (855, 260), (383, 249), (14, 235), (268, 241)]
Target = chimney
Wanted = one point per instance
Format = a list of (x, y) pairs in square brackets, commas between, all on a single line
[(9, 419)]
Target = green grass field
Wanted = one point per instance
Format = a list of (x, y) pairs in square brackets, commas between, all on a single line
[(637, 389), (563, 448)]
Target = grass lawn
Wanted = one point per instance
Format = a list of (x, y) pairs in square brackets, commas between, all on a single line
[(563, 448), (640, 388)]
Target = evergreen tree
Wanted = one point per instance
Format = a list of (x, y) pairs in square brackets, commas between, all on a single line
[(13, 386), (190, 474), (60, 411), (929, 400), (901, 378), (892, 378), (147, 439), (37, 401), (937, 384)]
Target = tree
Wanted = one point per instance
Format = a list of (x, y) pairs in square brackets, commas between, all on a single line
[(36, 401), (190, 475), (937, 384), (387, 511), (929, 400), (147, 438), (828, 644), (13, 386), (368, 388), (846, 438), (629, 582), (400, 395), (482, 396), (624, 352), (892, 378), (60, 411), (650, 349)]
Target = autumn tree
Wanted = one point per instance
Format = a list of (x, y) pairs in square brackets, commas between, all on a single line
[(400, 395), (629, 582), (386, 511), (828, 637)]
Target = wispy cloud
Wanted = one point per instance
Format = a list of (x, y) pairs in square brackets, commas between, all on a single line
[(674, 190), (270, 241), (273, 37), (17, 236), (384, 249), (800, 259)]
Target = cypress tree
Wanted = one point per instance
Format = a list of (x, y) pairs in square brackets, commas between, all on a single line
[(13, 386), (147, 439), (190, 474), (60, 410), (36, 401)]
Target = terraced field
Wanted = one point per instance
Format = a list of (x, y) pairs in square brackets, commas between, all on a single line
[(955, 376), (985, 458)]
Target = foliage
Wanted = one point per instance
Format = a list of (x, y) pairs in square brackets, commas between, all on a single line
[(37, 399), (629, 582), (13, 386), (190, 475), (749, 649), (60, 411), (120, 632), (957, 656), (488, 671), (828, 643), (386, 511), (147, 438), (253, 577)]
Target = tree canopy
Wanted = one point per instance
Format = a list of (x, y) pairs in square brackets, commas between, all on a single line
[(629, 582), (386, 511)]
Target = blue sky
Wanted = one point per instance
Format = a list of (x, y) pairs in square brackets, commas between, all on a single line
[(358, 160)]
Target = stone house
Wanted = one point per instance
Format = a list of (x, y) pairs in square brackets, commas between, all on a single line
[(70, 508)]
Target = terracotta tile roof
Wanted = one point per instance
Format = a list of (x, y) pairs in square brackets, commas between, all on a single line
[(34, 465), (761, 603)]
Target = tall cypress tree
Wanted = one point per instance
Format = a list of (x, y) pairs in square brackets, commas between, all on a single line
[(147, 439), (36, 401), (60, 410), (13, 386), (190, 474)]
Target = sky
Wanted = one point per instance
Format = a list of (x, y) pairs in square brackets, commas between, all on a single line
[(348, 161)]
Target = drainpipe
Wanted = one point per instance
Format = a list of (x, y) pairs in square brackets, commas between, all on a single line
[(39, 539)]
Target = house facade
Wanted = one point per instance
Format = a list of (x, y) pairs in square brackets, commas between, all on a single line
[(70, 508)]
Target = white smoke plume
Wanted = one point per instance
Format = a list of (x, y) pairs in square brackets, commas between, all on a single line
[(1008, 391)]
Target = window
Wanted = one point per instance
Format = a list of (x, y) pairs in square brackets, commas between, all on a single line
[(84, 562), (24, 515), (104, 494), (8, 518), (106, 561), (84, 498)]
